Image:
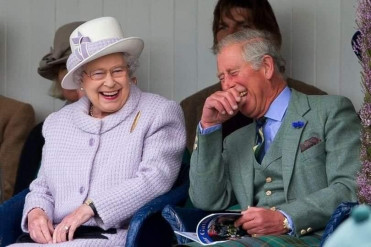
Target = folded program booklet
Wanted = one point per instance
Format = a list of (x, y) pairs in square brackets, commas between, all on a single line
[(213, 228)]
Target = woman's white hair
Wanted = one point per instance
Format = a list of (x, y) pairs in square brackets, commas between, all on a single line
[(255, 45)]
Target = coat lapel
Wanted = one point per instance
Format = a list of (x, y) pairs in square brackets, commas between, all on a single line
[(298, 107), (245, 160)]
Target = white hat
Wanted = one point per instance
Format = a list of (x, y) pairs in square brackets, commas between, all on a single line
[(94, 39)]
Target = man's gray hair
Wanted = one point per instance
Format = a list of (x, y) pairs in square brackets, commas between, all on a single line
[(255, 45)]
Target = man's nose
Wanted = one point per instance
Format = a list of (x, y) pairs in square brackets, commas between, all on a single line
[(228, 83)]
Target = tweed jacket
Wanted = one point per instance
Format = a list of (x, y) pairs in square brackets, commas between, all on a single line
[(118, 162), (192, 107), (317, 176), (16, 121)]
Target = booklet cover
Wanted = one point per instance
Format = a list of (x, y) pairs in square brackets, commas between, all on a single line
[(218, 227)]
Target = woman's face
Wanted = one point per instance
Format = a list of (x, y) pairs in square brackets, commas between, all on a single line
[(106, 83)]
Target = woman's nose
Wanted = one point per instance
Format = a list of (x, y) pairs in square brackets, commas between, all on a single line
[(109, 81)]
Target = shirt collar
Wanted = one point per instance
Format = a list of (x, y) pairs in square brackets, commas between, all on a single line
[(279, 106)]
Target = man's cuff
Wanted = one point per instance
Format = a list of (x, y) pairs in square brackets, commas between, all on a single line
[(209, 129), (291, 223)]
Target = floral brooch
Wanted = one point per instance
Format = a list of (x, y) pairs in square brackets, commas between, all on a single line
[(298, 124)]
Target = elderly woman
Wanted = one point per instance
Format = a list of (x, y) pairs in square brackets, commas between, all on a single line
[(107, 154)]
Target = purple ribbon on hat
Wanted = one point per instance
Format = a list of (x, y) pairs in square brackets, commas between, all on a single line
[(82, 51)]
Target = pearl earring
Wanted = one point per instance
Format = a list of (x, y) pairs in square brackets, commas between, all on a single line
[(82, 89)]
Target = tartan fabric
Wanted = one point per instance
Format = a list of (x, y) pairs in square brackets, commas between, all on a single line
[(269, 241)]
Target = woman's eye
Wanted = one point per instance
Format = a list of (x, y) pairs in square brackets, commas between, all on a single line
[(118, 71), (97, 73)]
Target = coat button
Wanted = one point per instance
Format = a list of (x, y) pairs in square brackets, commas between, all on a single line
[(268, 192), (91, 142), (309, 229), (268, 179), (82, 189), (303, 232)]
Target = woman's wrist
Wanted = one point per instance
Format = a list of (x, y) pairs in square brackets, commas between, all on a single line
[(90, 203)]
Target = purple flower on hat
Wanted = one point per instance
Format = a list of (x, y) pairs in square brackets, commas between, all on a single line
[(297, 124), (82, 51)]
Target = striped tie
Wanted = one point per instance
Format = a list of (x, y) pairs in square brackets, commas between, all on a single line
[(259, 141)]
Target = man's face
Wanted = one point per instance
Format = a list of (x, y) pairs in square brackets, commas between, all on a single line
[(233, 70), (237, 20)]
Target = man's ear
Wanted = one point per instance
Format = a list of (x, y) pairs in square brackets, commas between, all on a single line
[(268, 66)]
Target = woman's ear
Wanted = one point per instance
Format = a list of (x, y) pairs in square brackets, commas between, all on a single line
[(268, 66), (134, 80)]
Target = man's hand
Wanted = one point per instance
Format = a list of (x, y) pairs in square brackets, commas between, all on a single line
[(40, 227), (66, 229), (260, 221), (222, 105)]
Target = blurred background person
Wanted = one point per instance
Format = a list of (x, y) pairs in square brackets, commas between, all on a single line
[(52, 67), (16, 121)]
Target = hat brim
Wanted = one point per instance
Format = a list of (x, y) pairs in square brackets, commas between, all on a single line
[(132, 45), (49, 70)]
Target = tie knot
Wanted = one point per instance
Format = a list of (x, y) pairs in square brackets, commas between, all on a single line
[(260, 122)]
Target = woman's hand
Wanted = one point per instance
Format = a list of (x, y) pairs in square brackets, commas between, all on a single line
[(66, 229), (40, 227)]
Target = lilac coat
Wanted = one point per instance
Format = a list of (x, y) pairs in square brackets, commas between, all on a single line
[(101, 159)]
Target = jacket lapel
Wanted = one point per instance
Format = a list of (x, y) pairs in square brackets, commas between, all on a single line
[(298, 107), (245, 160)]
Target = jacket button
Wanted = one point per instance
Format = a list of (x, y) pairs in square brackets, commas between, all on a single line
[(91, 142), (303, 232), (82, 189), (268, 192), (309, 229), (268, 179)]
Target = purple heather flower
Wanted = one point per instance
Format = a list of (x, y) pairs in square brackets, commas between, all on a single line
[(363, 20)]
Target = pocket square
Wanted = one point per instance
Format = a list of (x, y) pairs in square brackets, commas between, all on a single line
[(309, 143)]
